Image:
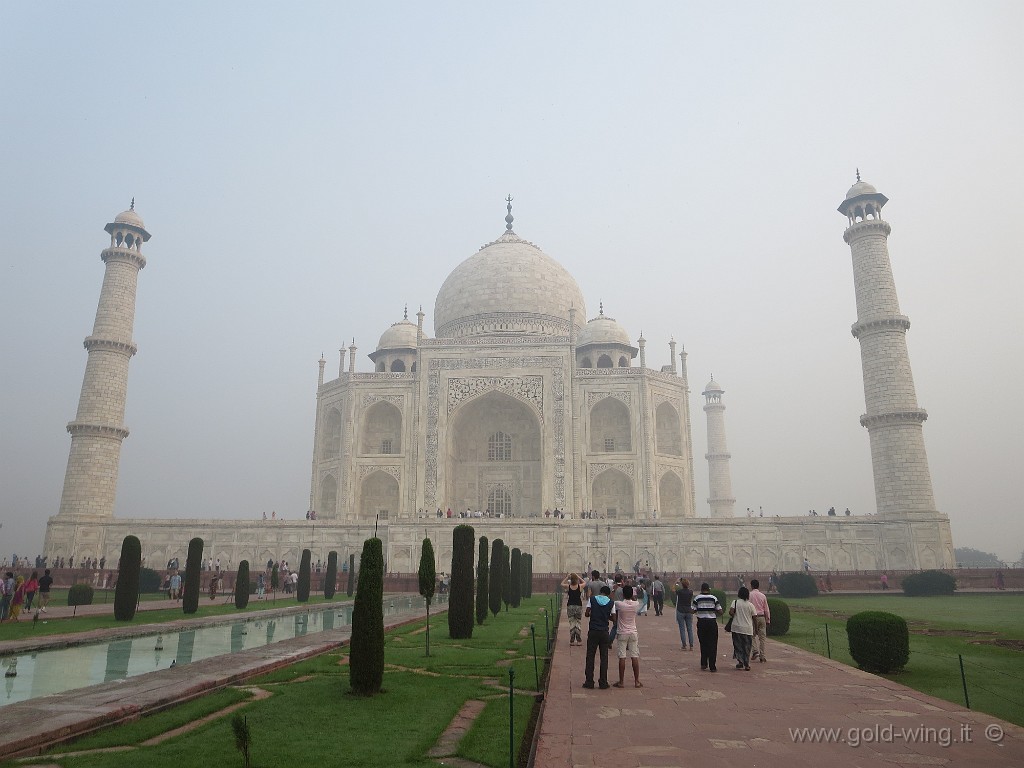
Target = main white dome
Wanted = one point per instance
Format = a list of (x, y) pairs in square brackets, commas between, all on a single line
[(510, 287)]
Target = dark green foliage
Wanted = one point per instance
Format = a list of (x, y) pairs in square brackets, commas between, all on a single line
[(242, 585), (351, 575), (482, 581), (460, 601), (80, 594), (797, 585), (302, 588), (929, 583), (428, 581), (506, 576), (516, 577), (366, 657), (149, 580), (528, 577), (193, 564), (331, 577), (243, 738), (722, 598), (495, 577), (428, 571), (126, 593), (275, 577), (779, 610), (879, 641)]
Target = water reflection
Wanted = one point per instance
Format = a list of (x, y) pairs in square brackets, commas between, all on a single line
[(119, 653)]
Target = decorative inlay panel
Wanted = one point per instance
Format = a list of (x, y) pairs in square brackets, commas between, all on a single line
[(396, 400), (593, 397), (593, 470), (392, 469), (529, 389)]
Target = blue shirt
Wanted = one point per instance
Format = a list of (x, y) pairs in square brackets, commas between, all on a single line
[(600, 613)]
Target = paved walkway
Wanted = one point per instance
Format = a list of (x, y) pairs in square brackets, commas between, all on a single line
[(685, 717), (31, 726)]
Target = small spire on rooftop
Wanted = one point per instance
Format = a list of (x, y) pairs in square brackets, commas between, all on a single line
[(508, 216), (132, 206), (858, 174)]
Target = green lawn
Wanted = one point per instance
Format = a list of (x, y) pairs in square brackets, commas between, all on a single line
[(987, 630), (312, 719), (26, 627)]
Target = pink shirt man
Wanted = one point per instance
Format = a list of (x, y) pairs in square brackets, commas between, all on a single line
[(760, 605)]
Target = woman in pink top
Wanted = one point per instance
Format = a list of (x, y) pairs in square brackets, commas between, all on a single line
[(626, 637)]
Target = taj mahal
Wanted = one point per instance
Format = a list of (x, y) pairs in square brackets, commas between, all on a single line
[(544, 424)]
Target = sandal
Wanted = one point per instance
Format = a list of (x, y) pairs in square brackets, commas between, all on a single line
[(616, 685)]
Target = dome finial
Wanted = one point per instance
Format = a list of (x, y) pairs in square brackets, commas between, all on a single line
[(858, 174), (601, 307), (132, 206), (508, 216), (405, 312)]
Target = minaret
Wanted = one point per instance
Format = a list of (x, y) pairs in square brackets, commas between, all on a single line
[(903, 483), (90, 483), (720, 496)]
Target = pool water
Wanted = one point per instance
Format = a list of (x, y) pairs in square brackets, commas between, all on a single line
[(44, 673)]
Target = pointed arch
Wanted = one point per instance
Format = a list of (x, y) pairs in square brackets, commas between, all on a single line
[(398, 366), (668, 437), (382, 429), (610, 427), (378, 494), (670, 495), (604, 361), (332, 435), (612, 493), (328, 501)]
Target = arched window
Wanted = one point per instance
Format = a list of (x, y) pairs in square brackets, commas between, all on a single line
[(499, 447), (499, 503), (604, 362), (623, 362), (398, 366), (332, 434), (585, 363), (381, 366)]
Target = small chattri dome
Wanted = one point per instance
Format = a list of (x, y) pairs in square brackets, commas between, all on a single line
[(401, 335), (603, 330), (713, 386), (861, 188)]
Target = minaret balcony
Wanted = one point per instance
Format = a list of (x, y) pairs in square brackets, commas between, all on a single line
[(110, 345), (911, 415), (76, 428), (867, 227), (125, 255), (875, 325)]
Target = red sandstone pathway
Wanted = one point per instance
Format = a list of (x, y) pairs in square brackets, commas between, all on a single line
[(685, 717)]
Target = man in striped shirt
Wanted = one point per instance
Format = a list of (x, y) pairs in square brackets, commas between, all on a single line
[(708, 609)]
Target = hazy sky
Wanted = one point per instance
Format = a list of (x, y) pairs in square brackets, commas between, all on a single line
[(307, 169)]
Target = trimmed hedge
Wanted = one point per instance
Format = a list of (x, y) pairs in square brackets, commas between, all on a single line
[(795, 584), (928, 583), (193, 563), (723, 598), (427, 572), (461, 599), (516, 577), (150, 581), (275, 577), (242, 585), (305, 566), (126, 593), (482, 581), (506, 575), (331, 577), (879, 641), (528, 575), (496, 577), (80, 594), (350, 587), (366, 648), (779, 610)]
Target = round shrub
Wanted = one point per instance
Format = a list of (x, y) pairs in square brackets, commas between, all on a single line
[(779, 610), (80, 594), (879, 641), (242, 585), (928, 583), (126, 593), (794, 584), (149, 581), (724, 599)]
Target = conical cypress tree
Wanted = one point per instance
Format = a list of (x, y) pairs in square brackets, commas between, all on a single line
[(275, 579), (528, 583), (193, 563), (506, 576), (516, 577), (460, 601), (126, 593), (496, 575), (242, 585), (331, 577), (481, 581), (428, 580), (302, 588), (366, 657), (351, 575)]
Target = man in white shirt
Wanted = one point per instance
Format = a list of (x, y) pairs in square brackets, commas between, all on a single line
[(762, 618), (627, 639)]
